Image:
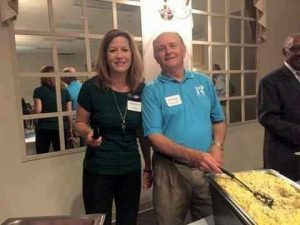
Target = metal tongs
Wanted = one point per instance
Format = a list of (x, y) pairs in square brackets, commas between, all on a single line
[(264, 198)]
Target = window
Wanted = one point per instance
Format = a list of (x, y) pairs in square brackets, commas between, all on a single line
[(62, 33), (224, 48)]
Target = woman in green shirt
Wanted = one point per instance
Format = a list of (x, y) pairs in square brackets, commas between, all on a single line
[(110, 104)]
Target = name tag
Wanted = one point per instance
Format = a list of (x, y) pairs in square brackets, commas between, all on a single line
[(134, 106), (173, 100)]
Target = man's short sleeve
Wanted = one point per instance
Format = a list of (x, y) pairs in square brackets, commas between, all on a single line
[(151, 111)]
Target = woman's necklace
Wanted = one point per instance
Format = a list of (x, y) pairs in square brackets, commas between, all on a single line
[(123, 117)]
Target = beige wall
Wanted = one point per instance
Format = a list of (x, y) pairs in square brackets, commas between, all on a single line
[(53, 186)]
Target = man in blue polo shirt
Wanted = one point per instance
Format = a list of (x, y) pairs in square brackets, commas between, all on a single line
[(184, 122)]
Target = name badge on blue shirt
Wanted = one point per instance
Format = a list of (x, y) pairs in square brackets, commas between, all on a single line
[(173, 100)]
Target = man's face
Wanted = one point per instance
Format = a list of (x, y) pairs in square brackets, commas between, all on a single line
[(169, 51), (292, 52)]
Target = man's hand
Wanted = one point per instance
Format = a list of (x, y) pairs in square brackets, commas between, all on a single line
[(205, 161)]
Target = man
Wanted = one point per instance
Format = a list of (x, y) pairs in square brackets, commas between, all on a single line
[(73, 87), (279, 112), (181, 113)]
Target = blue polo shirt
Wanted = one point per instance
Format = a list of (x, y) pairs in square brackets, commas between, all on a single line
[(182, 111)]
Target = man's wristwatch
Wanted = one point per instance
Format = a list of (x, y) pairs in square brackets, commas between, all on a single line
[(219, 145)]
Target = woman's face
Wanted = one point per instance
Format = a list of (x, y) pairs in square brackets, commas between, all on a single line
[(119, 55)]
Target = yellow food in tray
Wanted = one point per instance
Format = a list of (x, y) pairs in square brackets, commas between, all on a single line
[(286, 206)]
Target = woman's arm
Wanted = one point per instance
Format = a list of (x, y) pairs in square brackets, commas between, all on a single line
[(146, 151), (37, 104), (82, 128)]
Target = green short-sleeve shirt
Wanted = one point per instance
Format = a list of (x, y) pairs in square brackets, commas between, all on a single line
[(118, 152)]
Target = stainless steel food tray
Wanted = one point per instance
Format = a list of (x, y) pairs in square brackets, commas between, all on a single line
[(226, 210)]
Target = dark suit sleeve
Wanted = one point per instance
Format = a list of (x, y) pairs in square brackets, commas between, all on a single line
[(270, 115)]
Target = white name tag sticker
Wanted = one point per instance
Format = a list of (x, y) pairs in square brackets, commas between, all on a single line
[(134, 106), (173, 100)]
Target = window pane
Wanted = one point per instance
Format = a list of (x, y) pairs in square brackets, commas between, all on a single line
[(200, 27), (129, 18), (250, 10), (99, 11), (71, 52), (94, 46), (250, 83), (219, 80), (33, 52), (29, 136), (218, 6), (218, 56), (29, 13), (235, 85), (68, 16), (235, 111), (235, 7), (218, 31), (250, 58), (200, 5), (250, 109), (234, 30), (235, 58), (200, 57), (250, 32)]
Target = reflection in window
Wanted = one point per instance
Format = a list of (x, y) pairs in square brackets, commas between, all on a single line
[(235, 7), (235, 58), (200, 5), (68, 16), (235, 85), (33, 52), (250, 31), (30, 13), (218, 35), (95, 11), (250, 83), (94, 46), (250, 109), (250, 58), (218, 6), (129, 18), (200, 57), (235, 30), (71, 51), (235, 110), (218, 56), (200, 27)]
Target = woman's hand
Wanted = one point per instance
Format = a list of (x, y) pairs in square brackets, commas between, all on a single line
[(91, 141), (147, 179)]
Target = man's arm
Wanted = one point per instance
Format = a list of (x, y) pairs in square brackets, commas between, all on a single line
[(201, 160), (217, 148), (269, 114)]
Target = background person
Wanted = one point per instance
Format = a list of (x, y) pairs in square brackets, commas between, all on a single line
[(110, 103), (279, 112), (181, 114), (47, 131)]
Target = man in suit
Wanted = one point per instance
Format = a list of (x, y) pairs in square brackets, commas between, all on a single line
[(279, 112)]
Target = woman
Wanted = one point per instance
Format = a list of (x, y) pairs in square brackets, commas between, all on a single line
[(110, 104), (44, 97)]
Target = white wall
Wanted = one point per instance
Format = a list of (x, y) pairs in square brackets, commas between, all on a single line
[(53, 186)]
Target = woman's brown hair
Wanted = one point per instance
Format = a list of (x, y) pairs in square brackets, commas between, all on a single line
[(49, 81), (135, 73)]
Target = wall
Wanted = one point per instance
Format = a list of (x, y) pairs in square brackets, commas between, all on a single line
[(53, 186)]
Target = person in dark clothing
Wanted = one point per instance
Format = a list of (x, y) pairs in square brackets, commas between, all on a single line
[(44, 97), (279, 112), (110, 103)]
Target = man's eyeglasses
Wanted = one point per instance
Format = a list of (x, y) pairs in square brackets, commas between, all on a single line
[(294, 49)]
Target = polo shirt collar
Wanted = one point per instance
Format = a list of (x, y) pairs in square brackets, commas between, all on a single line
[(166, 78)]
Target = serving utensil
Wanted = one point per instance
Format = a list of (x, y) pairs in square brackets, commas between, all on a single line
[(264, 198)]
